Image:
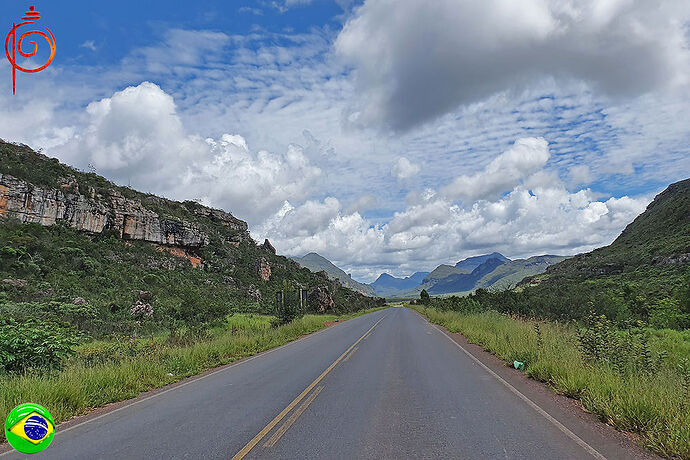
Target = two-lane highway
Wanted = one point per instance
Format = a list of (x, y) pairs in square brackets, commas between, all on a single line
[(384, 385)]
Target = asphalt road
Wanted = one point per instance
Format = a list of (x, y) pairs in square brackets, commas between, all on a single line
[(384, 385)]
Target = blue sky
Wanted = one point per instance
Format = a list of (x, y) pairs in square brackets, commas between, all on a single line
[(387, 136)]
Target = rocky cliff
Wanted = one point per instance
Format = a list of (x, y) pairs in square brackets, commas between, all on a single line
[(200, 263), (95, 212)]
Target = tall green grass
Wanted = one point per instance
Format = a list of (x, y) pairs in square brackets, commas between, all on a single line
[(104, 372), (655, 405)]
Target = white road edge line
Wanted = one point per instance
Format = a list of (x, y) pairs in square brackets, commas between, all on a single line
[(229, 366), (590, 450)]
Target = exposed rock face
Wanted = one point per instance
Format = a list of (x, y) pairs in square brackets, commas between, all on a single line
[(141, 310), (79, 301), (264, 269), (677, 259), (194, 260), (15, 282), (320, 300), (223, 217), (268, 246), (253, 293), (95, 213)]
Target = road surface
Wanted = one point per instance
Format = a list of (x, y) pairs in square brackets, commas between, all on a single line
[(384, 385)]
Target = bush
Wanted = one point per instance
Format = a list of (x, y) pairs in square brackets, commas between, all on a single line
[(666, 314), (424, 297), (289, 309), (34, 343)]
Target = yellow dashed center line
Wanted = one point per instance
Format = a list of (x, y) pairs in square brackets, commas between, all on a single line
[(267, 429), (351, 353), (295, 415)]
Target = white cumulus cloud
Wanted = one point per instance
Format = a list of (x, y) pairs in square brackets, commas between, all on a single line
[(404, 169)]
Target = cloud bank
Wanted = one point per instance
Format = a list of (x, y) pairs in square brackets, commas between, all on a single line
[(418, 60)]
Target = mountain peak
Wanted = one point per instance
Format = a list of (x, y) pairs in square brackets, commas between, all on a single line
[(473, 262), (316, 262)]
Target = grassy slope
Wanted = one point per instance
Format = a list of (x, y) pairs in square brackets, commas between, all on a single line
[(655, 405), (511, 273), (106, 371)]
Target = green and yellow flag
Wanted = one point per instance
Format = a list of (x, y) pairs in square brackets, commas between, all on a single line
[(29, 428)]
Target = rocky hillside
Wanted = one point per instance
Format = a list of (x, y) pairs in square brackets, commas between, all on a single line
[(658, 237), (317, 263), (67, 235)]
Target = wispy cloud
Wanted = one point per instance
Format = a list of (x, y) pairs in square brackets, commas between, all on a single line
[(89, 44)]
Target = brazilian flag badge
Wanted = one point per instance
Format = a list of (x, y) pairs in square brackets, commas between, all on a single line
[(29, 428)]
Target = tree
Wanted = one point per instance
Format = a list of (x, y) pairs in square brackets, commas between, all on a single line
[(424, 297), (684, 296)]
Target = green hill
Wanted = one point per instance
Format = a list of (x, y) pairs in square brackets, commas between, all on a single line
[(443, 271), (317, 263), (657, 240), (77, 248), (643, 275), (511, 273)]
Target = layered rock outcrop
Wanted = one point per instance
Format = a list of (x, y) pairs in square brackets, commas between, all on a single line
[(95, 213)]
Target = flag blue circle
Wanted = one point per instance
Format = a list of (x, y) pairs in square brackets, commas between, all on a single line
[(36, 427)]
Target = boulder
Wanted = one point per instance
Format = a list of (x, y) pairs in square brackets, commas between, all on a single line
[(320, 300), (141, 310), (15, 282), (268, 246), (253, 293), (79, 301)]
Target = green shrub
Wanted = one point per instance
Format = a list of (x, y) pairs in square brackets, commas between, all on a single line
[(666, 314), (289, 309), (34, 343), (424, 297)]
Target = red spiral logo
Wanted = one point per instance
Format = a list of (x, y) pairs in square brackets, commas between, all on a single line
[(30, 17)]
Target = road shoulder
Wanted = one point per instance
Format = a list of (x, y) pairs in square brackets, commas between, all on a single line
[(569, 412)]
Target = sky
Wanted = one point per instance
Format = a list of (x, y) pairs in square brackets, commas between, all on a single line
[(388, 136)]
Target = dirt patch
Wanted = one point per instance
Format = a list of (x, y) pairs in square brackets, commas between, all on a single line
[(3, 199), (330, 323), (195, 261)]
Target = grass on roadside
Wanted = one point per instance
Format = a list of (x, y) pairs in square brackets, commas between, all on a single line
[(104, 372), (655, 405)]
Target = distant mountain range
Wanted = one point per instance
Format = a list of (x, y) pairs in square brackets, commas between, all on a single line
[(316, 263), (471, 263), (387, 285), (484, 271)]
